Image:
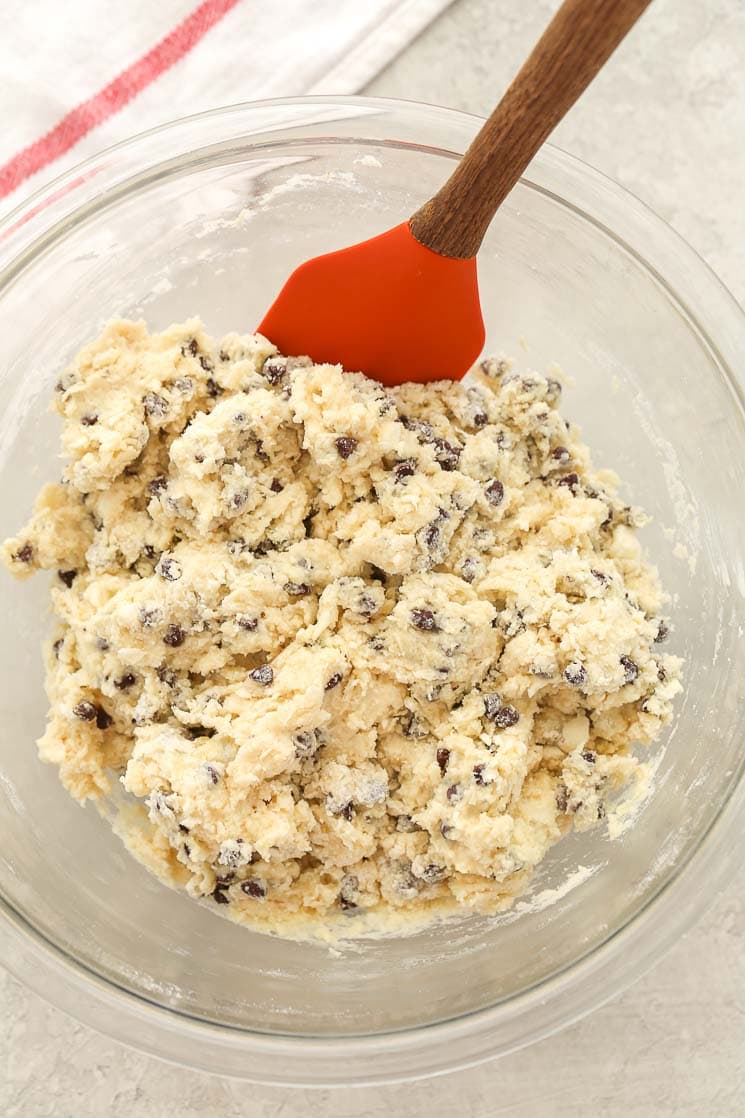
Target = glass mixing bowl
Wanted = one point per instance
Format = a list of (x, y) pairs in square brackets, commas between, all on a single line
[(207, 216)]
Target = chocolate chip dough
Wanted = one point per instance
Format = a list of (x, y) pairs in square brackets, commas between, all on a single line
[(349, 651)]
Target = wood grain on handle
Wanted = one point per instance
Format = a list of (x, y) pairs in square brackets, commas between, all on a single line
[(580, 38)]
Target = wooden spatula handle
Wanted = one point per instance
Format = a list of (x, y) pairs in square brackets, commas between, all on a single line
[(580, 38)]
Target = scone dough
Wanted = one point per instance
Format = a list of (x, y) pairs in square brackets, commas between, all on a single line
[(348, 650)]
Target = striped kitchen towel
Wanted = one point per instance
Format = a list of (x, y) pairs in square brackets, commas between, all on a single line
[(78, 76)]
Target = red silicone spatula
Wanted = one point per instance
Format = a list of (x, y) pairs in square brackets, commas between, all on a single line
[(405, 305)]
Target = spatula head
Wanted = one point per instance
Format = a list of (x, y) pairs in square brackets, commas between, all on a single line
[(388, 307)]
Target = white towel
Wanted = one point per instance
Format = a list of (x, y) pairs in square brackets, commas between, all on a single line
[(80, 75)]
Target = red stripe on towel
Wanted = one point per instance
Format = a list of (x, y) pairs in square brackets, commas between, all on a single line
[(109, 100)]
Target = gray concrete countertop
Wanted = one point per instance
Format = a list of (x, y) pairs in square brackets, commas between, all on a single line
[(667, 120)]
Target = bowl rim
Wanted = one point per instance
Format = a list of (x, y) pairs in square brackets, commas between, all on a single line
[(536, 1012)]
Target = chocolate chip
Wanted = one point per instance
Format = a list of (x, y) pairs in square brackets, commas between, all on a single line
[(166, 675), (212, 772), (446, 830), (224, 355), (307, 744), (431, 536), (494, 493), (248, 624), (480, 419), (630, 669), (125, 682), (274, 368), (276, 486), (168, 568), (346, 810), (424, 620), (206, 364), (346, 446), (90, 712), (213, 388), (253, 888), (571, 481), (349, 892), (366, 605), (446, 454), (602, 578), (25, 554), (411, 727), (335, 680), (560, 454), (590, 756), (85, 711), (433, 874), (663, 632), (492, 704), (661, 674), (502, 716), (68, 577), (239, 499), (190, 347), (562, 798), (174, 636), (263, 675), (157, 485), (469, 569), (57, 646), (454, 793), (404, 469), (89, 420), (296, 589), (575, 674), (553, 389), (102, 645), (478, 775), (221, 896), (149, 551), (103, 719), (155, 405), (443, 756), (350, 887)]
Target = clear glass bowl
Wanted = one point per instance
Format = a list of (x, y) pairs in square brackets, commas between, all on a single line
[(207, 216)]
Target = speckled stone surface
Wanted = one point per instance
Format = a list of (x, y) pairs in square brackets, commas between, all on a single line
[(667, 119)]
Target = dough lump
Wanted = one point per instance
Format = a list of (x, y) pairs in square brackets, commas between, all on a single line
[(348, 650)]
